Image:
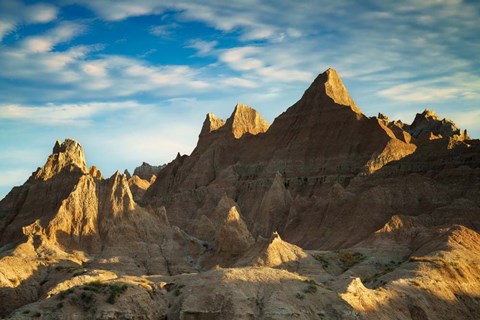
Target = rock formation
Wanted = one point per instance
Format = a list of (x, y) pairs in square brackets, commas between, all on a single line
[(428, 123), (324, 214), (147, 172)]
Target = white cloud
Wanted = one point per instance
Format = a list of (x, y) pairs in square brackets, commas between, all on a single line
[(13, 12), (163, 30), (95, 68), (37, 44), (65, 31), (240, 59), (10, 178), (72, 74), (40, 13), (293, 42), (203, 47), (64, 114), (413, 92), (5, 28), (263, 64), (467, 119), (240, 82), (258, 20)]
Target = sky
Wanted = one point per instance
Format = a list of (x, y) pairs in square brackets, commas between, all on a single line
[(132, 81)]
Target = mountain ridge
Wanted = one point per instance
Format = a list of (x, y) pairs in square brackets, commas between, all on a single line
[(324, 213)]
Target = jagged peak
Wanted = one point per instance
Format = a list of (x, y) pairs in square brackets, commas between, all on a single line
[(273, 252), (383, 117), (65, 155), (427, 113), (233, 215), (428, 122), (275, 236), (329, 84), (223, 208), (211, 123), (95, 172), (146, 171), (118, 178), (233, 235), (245, 119)]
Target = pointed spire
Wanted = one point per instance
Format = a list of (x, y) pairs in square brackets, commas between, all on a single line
[(211, 123), (246, 120), (329, 86), (67, 155)]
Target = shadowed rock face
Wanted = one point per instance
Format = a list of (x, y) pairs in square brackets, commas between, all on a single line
[(324, 214), (323, 138), (428, 123), (146, 171)]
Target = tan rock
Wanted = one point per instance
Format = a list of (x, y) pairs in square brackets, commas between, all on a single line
[(245, 120), (67, 155), (273, 252), (211, 123), (233, 237)]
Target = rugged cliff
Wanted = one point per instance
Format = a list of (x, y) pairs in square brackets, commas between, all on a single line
[(326, 213)]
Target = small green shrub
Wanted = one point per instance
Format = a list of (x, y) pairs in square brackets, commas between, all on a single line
[(66, 268), (115, 291), (97, 284), (80, 272), (299, 296), (177, 292), (87, 298), (349, 259), (322, 259), (310, 289), (65, 293)]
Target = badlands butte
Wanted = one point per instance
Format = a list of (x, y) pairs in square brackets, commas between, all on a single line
[(324, 214)]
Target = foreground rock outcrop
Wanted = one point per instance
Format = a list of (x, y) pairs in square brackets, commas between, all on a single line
[(324, 214)]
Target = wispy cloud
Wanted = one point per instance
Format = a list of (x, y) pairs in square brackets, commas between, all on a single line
[(202, 47), (13, 12), (72, 74), (63, 114), (393, 56), (164, 31), (412, 92), (292, 42), (12, 178), (240, 82), (64, 32), (257, 19), (466, 119)]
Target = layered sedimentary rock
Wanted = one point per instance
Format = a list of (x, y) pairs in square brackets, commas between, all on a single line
[(66, 212), (326, 213), (147, 171), (322, 139), (428, 123)]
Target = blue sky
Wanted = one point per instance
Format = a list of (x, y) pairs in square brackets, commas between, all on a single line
[(133, 80)]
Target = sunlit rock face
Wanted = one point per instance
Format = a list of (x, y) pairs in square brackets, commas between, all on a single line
[(321, 140), (324, 214)]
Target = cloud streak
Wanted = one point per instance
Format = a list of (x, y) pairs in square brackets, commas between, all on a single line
[(13, 13), (201, 56), (64, 114)]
